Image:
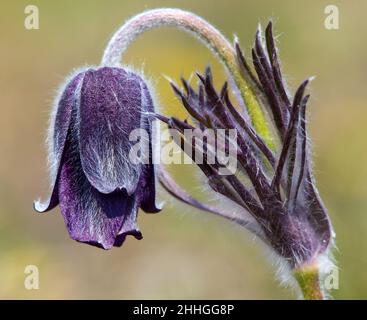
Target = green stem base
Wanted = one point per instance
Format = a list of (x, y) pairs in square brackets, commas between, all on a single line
[(308, 278)]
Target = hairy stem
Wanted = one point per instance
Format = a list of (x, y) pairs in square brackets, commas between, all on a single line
[(206, 33), (308, 278)]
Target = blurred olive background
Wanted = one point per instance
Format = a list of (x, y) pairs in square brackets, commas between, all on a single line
[(185, 253)]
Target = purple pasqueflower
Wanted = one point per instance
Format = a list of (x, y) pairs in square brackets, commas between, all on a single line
[(99, 189), (278, 200)]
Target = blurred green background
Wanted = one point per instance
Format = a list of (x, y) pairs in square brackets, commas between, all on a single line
[(185, 253)]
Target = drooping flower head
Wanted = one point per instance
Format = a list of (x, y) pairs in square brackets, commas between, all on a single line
[(98, 187), (278, 200)]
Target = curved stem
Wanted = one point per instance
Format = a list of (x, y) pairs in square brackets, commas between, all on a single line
[(308, 278), (206, 33)]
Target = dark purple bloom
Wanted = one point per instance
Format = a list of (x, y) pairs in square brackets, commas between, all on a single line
[(98, 188), (278, 200)]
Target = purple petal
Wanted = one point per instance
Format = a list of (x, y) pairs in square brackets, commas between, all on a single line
[(110, 108), (147, 190), (99, 219), (147, 184), (59, 130)]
